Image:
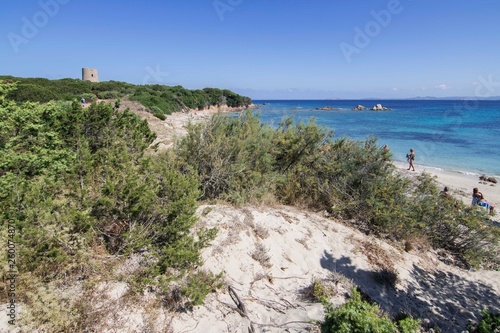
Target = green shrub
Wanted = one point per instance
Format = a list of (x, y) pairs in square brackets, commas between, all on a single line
[(322, 290), (231, 157), (490, 322), (357, 316), (32, 93), (108, 94), (407, 324), (159, 115), (198, 285), (360, 316)]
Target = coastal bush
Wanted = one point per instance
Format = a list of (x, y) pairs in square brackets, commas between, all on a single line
[(77, 187), (357, 315), (198, 285), (323, 290), (108, 94), (298, 151), (177, 98), (31, 92), (490, 322), (159, 115), (231, 157)]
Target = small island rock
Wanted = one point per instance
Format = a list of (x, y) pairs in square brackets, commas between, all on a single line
[(359, 108), (379, 107), (326, 108)]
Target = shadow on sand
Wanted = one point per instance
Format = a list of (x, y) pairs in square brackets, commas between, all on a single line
[(445, 299)]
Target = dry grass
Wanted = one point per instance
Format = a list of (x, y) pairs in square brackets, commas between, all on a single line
[(258, 229), (289, 218), (376, 255), (303, 242), (385, 272), (261, 231), (260, 254), (341, 281)]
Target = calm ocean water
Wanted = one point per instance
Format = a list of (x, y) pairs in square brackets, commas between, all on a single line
[(454, 135)]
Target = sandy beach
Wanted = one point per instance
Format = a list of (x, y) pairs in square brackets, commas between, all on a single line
[(459, 184)]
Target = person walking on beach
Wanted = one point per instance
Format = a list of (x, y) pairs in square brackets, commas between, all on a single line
[(410, 158), (478, 199)]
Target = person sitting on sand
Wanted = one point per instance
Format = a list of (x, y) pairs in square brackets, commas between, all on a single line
[(478, 199), (445, 192), (410, 158)]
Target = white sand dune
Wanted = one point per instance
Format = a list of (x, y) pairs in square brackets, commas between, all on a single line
[(302, 247)]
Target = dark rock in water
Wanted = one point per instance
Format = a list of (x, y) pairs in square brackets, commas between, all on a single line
[(326, 108), (492, 179)]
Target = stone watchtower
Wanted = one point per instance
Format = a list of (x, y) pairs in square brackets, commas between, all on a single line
[(90, 74)]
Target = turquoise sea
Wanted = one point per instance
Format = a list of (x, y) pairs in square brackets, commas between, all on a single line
[(457, 135)]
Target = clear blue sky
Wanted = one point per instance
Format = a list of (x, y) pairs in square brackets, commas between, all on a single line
[(262, 48)]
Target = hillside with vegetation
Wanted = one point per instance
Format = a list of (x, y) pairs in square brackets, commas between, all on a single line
[(158, 99), (83, 199)]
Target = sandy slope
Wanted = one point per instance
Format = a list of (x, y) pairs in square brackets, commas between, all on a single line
[(302, 247)]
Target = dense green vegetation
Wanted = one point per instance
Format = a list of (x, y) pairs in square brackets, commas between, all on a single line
[(360, 316), (75, 185), (490, 322), (158, 99)]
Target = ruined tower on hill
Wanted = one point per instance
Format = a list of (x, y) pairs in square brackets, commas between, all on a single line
[(90, 74)]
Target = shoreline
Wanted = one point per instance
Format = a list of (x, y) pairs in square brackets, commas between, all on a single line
[(468, 172), (460, 184)]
